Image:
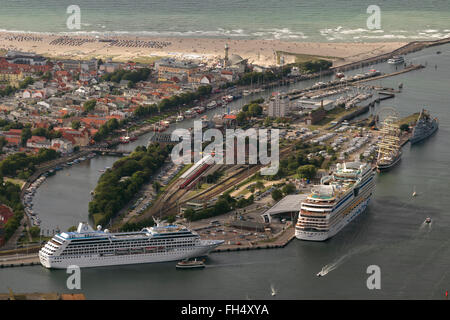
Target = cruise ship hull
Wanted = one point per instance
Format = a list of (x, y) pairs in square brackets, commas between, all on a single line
[(322, 236), (112, 260)]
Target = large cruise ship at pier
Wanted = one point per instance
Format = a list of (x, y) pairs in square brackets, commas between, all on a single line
[(93, 248), (339, 198)]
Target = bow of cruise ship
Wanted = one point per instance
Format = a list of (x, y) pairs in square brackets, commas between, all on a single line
[(337, 200)]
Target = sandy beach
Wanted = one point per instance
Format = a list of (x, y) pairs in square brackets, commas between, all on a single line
[(260, 52)]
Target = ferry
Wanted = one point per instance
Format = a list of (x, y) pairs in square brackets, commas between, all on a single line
[(396, 60), (336, 201), (190, 264), (94, 248)]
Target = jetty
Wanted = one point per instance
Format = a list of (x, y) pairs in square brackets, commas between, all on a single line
[(279, 240)]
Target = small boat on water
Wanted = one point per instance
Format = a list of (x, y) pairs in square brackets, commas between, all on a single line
[(428, 220), (190, 264), (321, 273), (396, 60)]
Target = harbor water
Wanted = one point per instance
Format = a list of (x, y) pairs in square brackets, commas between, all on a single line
[(413, 257)]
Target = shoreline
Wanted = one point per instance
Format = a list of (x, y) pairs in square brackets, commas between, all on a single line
[(209, 50)]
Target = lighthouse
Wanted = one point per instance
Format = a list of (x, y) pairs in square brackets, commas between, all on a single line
[(225, 60)]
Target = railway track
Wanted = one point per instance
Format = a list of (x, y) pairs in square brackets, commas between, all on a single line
[(167, 204)]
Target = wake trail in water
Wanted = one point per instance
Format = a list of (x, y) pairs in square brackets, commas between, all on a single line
[(339, 261)]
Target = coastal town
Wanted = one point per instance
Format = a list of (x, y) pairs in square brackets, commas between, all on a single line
[(55, 113)]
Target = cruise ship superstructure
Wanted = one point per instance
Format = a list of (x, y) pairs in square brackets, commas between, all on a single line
[(93, 248), (339, 199)]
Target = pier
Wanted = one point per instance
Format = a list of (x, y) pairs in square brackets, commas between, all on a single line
[(19, 260), (406, 69), (279, 240), (106, 151)]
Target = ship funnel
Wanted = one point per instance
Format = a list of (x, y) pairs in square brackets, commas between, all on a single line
[(84, 227)]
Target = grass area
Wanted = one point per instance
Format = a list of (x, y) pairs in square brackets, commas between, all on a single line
[(332, 115), (409, 119), (146, 59), (19, 182), (246, 181)]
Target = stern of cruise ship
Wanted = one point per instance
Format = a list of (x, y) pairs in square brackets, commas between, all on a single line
[(44, 259)]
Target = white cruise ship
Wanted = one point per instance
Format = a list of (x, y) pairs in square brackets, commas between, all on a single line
[(338, 199), (93, 248)]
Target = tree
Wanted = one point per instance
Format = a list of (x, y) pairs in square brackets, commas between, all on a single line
[(156, 186), (25, 135), (171, 219), (89, 105), (35, 231), (3, 143), (277, 195), (404, 127), (255, 109), (47, 76), (307, 171), (241, 118), (76, 124), (259, 185), (289, 189)]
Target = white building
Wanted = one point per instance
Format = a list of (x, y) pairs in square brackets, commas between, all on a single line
[(62, 145), (279, 106)]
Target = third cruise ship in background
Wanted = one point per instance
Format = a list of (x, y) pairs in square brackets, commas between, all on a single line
[(339, 198)]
